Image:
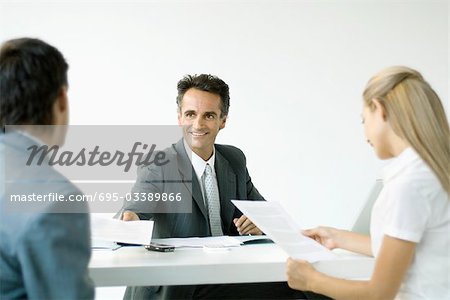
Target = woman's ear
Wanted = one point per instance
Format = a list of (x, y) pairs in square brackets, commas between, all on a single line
[(379, 109)]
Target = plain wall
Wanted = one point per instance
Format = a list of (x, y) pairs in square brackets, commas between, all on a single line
[(296, 71)]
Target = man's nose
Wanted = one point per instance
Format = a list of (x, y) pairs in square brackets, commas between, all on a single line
[(198, 123)]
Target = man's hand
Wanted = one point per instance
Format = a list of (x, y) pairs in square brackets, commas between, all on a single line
[(245, 226), (129, 216)]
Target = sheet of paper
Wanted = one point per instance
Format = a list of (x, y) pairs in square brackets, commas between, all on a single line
[(278, 225), (132, 232), (199, 242), (102, 245)]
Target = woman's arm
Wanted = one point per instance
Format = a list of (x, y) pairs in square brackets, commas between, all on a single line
[(391, 266), (355, 242)]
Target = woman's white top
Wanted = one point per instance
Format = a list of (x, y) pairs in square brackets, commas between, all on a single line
[(413, 206)]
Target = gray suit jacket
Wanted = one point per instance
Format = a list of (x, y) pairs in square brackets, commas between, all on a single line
[(43, 254), (178, 176), (233, 181)]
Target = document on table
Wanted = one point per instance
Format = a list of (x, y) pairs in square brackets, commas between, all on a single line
[(132, 232), (277, 224), (102, 245), (199, 242)]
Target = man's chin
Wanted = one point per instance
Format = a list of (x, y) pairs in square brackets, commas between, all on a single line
[(198, 146), (197, 142)]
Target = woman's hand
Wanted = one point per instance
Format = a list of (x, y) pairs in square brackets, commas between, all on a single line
[(300, 274), (327, 236)]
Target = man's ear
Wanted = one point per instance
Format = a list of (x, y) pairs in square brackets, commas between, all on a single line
[(63, 101), (61, 107), (379, 109), (224, 121)]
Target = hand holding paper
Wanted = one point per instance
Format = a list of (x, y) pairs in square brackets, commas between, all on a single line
[(277, 224), (245, 226)]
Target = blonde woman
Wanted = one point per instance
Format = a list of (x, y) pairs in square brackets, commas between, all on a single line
[(410, 226)]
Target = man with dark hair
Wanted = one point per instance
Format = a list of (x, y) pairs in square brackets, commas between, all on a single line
[(206, 83), (33, 75), (219, 174), (44, 253)]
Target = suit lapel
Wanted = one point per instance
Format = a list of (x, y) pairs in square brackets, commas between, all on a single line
[(189, 178), (226, 180)]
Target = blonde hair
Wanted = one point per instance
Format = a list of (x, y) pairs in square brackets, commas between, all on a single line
[(416, 114)]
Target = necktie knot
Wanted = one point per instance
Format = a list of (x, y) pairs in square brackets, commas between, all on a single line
[(208, 170)]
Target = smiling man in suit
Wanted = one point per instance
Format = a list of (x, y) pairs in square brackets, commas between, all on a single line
[(219, 174)]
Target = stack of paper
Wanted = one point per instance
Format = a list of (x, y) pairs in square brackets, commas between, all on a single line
[(199, 242), (98, 245), (277, 224), (131, 232)]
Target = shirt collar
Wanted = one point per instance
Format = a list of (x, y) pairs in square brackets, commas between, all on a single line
[(33, 138), (399, 163), (197, 162)]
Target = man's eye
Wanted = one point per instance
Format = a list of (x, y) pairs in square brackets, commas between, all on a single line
[(210, 117), (189, 115)]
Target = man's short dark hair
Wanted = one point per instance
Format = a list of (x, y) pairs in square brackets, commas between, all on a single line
[(32, 74), (206, 83)]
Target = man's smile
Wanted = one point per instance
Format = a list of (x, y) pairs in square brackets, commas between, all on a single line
[(196, 133)]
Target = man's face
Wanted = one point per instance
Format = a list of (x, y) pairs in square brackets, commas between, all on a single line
[(200, 117)]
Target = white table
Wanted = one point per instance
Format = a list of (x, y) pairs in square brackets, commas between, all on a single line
[(135, 266)]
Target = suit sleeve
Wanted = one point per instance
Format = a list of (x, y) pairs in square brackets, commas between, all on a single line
[(54, 255), (149, 181), (252, 192)]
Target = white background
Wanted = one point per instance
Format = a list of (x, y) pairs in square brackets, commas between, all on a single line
[(296, 71)]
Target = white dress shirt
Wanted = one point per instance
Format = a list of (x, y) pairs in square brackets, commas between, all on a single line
[(199, 167), (413, 206)]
